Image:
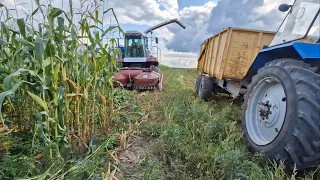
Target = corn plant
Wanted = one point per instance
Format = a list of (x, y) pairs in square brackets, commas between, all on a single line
[(56, 72)]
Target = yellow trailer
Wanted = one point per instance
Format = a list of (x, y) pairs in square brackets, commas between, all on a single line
[(230, 53)]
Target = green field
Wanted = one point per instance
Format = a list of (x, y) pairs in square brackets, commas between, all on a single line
[(183, 137), (62, 118), (171, 134)]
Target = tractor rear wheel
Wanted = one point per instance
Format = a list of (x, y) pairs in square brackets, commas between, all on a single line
[(205, 88), (281, 113)]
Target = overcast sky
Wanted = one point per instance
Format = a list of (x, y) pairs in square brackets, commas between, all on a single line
[(203, 19)]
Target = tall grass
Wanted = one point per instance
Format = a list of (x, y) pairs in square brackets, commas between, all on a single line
[(193, 139), (56, 73)]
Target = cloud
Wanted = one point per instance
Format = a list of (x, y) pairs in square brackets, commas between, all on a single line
[(258, 14), (207, 20), (196, 20), (152, 12), (144, 12), (179, 59), (201, 21)]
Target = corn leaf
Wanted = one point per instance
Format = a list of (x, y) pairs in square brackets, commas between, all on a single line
[(55, 12), (22, 27), (38, 100), (71, 8), (106, 11), (7, 80), (25, 42), (110, 28), (60, 26), (40, 46), (2, 42), (4, 94), (34, 12), (94, 26), (50, 49), (41, 124)]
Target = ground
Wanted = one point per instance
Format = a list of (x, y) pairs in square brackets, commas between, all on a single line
[(171, 134), (182, 137)]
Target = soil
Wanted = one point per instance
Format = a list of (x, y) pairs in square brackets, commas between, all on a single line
[(138, 147)]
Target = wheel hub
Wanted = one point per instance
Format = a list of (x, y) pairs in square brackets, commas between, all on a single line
[(266, 111)]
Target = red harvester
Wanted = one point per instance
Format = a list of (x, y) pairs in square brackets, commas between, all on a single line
[(140, 68)]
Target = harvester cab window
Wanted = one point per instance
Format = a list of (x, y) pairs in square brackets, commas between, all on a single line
[(298, 21), (135, 47)]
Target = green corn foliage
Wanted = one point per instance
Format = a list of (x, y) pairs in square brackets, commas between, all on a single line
[(56, 76)]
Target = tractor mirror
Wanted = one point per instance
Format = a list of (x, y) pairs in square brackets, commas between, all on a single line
[(157, 40), (284, 7)]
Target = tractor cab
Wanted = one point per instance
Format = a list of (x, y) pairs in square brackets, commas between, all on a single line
[(302, 23)]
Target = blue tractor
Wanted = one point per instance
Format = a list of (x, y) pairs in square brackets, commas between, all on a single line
[(281, 112)]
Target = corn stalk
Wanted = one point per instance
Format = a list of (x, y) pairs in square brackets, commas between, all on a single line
[(61, 69)]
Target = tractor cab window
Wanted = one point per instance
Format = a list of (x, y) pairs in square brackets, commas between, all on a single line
[(135, 47), (298, 22), (314, 32)]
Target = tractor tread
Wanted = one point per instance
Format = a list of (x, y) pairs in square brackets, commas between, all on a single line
[(300, 136), (309, 100), (305, 83), (292, 154), (310, 122)]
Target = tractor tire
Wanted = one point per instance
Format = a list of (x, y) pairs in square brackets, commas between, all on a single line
[(196, 88), (287, 91), (205, 88)]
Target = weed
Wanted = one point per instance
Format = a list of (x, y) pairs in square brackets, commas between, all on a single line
[(200, 140)]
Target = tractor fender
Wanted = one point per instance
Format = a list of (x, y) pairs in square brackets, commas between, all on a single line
[(294, 50)]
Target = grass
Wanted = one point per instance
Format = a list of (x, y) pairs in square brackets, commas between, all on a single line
[(193, 139)]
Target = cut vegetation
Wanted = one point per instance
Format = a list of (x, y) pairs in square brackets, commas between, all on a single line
[(185, 137), (61, 118)]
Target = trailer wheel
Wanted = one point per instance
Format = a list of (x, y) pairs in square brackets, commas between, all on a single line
[(281, 113), (205, 88), (196, 88)]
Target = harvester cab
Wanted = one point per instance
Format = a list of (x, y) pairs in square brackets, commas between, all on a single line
[(137, 52), (140, 68)]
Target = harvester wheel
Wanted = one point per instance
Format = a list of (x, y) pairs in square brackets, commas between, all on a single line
[(281, 114), (205, 88), (196, 88), (157, 69)]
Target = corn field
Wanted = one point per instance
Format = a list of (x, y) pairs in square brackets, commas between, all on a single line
[(56, 73)]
